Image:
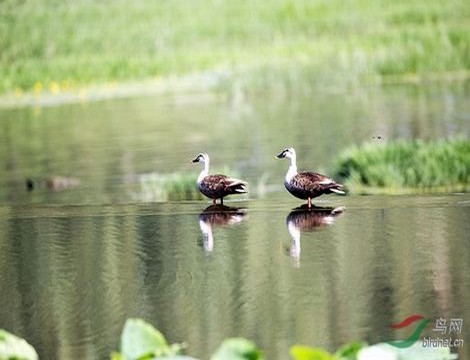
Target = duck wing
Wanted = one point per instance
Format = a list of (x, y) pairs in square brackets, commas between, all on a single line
[(309, 181), (223, 184)]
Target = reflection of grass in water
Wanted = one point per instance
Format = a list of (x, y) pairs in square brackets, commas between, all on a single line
[(406, 167)]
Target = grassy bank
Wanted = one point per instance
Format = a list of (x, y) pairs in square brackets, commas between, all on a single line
[(406, 167), (56, 46)]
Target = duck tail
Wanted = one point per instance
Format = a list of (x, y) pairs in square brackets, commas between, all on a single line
[(238, 186), (337, 191), (336, 188)]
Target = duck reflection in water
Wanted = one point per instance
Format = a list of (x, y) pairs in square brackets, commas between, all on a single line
[(305, 219), (217, 215)]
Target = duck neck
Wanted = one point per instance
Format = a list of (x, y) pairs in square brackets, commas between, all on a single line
[(204, 172), (292, 171)]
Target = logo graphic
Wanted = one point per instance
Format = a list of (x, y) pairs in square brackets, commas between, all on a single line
[(422, 322)]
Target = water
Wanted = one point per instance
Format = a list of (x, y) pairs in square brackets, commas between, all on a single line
[(75, 264)]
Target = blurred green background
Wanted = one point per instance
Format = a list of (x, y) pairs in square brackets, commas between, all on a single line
[(56, 46)]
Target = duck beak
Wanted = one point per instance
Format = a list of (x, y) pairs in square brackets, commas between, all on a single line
[(195, 160), (281, 155)]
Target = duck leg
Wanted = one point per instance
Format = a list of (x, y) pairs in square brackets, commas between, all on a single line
[(309, 203), (214, 201), (221, 201)]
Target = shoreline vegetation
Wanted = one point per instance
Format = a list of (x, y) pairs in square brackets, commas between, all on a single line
[(406, 167), (75, 50)]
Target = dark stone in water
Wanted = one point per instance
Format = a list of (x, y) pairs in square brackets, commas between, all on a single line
[(53, 183)]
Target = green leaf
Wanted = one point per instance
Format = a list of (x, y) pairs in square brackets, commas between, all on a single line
[(237, 349), (349, 351), (300, 352), (116, 356), (175, 357), (13, 347), (119, 356), (141, 340)]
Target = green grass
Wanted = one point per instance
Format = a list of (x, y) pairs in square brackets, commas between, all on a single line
[(56, 45), (168, 187), (406, 167)]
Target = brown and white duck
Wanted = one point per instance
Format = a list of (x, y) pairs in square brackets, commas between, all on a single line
[(306, 185), (217, 186)]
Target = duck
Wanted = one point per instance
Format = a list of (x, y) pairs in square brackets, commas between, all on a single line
[(217, 186), (306, 185)]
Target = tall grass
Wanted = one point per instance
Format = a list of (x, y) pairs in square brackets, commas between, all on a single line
[(54, 46), (406, 166), (168, 187)]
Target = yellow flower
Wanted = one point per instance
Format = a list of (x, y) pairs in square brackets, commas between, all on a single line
[(54, 88), (37, 88)]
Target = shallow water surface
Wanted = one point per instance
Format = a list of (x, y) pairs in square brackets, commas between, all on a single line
[(75, 264), (255, 269)]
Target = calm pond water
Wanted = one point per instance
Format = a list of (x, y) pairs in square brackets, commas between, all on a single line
[(75, 264)]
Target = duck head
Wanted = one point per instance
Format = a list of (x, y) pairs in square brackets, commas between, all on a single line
[(202, 157), (288, 152)]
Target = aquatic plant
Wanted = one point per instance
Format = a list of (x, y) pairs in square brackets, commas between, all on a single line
[(13, 347), (140, 341), (168, 187), (404, 166)]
